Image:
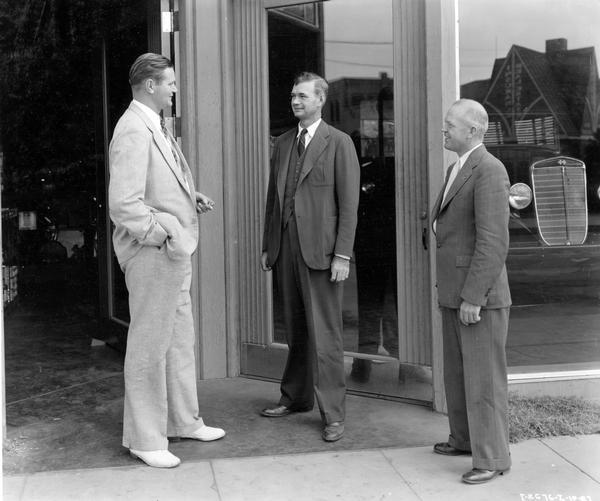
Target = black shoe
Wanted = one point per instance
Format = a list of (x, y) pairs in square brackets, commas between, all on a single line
[(477, 476), (361, 370), (333, 431), (282, 410), (447, 450)]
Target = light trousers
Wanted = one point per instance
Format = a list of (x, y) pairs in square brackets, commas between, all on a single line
[(160, 370)]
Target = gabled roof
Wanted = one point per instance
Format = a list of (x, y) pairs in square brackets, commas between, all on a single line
[(477, 89), (539, 70)]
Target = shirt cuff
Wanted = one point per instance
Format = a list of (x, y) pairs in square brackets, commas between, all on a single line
[(342, 257)]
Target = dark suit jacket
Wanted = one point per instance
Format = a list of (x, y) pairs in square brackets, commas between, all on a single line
[(472, 235), (326, 200)]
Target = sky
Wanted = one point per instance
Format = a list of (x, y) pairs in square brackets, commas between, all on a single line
[(358, 33), (487, 29)]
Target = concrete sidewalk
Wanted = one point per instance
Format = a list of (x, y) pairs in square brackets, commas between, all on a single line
[(557, 469)]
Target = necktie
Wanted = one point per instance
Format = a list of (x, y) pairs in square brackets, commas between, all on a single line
[(169, 139), (163, 127), (451, 178), (301, 142)]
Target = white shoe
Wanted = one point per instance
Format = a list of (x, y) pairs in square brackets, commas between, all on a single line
[(206, 434), (158, 459)]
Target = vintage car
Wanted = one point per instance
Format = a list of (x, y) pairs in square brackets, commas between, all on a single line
[(554, 253)]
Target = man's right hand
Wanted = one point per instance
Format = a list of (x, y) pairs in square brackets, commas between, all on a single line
[(264, 262)]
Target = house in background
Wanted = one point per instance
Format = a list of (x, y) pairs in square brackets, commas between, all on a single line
[(549, 99)]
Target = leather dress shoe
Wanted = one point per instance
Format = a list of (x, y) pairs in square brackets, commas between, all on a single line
[(333, 431), (282, 410), (157, 459), (447, 450), (206, 434), (477, 476)]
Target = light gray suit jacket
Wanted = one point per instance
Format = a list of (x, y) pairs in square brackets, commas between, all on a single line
[(472, 235), (150, 201)]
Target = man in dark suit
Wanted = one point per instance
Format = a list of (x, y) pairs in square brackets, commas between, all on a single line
[(154, 206), (471, 224), (310, 222)]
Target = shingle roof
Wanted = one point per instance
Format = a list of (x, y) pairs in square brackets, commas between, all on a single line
[(543, 76)]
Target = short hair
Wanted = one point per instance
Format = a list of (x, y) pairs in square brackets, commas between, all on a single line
[(474, 114), (321, 85), (147, 66)]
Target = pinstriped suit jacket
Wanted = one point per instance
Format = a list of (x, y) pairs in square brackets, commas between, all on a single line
[(150, 201), (472, 235)]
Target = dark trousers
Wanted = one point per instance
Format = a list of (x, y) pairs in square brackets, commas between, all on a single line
[(476, 386), (312, 312)]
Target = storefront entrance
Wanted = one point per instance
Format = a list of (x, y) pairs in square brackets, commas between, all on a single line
[(64, 79), (69, 66), (352, 45)]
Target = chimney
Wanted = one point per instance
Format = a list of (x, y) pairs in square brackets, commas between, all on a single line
[(556, 46)]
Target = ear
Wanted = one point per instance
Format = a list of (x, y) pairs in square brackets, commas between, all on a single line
[(149, 86)]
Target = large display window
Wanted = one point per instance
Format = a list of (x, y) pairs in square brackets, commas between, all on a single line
[(533, 67)]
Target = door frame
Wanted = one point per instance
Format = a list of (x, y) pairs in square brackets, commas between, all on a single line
[(416, 115), (114, 328)]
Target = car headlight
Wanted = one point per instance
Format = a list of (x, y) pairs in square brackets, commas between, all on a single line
[(519, 196)]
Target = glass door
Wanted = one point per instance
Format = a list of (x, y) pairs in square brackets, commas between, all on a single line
[(137, 31), (351, 44)]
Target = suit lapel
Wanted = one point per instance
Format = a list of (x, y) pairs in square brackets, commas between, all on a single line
[(161, 144), (465, 173), (314, 149), (183, 169), (285, 151)]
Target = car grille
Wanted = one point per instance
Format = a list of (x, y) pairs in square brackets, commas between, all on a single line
[(559, 188)]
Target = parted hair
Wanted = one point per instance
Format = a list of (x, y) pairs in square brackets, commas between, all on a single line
[(321, 85), (147, 66)]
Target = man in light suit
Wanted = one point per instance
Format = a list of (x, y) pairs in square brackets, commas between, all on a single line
[(471, 224), (310, 222), (154, 207)]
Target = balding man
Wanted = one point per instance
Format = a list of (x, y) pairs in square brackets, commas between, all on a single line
[(471, 224)]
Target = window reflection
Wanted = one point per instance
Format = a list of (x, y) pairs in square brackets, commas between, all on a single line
[(542, 97)]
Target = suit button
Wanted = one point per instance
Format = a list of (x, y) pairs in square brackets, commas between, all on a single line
[(439, 245)]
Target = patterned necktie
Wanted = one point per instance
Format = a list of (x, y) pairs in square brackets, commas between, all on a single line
[(163, 127), (301, 142), (170, 140)]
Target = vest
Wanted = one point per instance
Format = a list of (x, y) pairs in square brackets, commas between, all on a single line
[(291, 181)]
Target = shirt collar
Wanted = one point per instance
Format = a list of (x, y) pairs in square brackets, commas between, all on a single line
[(465, 157), (310, 130), (150, 113)]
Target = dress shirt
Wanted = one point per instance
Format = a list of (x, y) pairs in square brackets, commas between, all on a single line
[(154, 118), (456, 169), (310, 132)]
